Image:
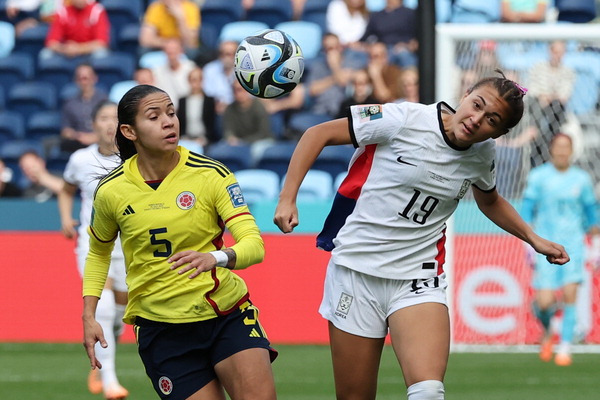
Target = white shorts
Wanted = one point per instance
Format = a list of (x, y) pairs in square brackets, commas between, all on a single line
[(360, 304), (116, 272)]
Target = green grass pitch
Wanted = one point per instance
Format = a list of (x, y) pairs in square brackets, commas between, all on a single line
[(34, 371)]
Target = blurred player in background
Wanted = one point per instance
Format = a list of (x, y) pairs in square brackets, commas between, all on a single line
[(197, 331), (386, 229), (559, 203), (83, 172)]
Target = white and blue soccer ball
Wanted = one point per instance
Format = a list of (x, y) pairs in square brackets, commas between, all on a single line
[(269, 64)]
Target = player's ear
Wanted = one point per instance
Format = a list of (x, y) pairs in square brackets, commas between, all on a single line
[(128, 132)]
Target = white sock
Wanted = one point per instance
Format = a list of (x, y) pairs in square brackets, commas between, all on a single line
[(119, 326), (426, 390), (105, 315)]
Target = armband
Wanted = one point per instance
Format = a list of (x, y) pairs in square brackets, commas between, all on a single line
[(221, 256)]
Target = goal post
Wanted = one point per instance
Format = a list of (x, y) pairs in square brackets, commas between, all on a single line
[(489, 294)]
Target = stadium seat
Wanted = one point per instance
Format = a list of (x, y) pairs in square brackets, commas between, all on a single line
[(122, 13), (29, 97), (258, 184), (128, 39), (337, 181), (15, 67), (2, 98), (578, 11), (375, 5), (58, 71), (57, 161), (11, 151), (7, 38), (209, 37), (31, 40), (475, 11), (316, 11), (43, 124), (301, 121), (277, 157), (217, 13), (306, 34), (239, 30), (270, 12), (114, 67), (153, 59), (334, 159), (12, 126), (118, 90), (234, 157), (316, 186)]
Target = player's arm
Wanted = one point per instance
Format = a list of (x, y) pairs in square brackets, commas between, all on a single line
[(65, 208), (499, 211), (307, 150)]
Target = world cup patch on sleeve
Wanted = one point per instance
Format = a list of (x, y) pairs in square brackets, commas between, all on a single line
[(236, 196), (370, 112)]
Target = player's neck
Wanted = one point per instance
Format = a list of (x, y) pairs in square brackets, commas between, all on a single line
[(154, 168)]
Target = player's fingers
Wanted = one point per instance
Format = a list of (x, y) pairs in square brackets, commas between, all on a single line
[(179, 255)]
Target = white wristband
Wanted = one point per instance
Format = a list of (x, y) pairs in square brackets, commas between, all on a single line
[(221, 256)]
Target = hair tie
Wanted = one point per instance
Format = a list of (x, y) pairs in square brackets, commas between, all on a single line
[(522, 89)]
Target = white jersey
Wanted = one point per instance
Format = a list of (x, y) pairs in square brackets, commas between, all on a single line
[(85, 169), (404, 181)]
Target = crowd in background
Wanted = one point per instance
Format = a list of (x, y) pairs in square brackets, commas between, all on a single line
[(366, 56)]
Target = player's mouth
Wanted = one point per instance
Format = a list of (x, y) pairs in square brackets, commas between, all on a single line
[(467, 130), (172, 138)]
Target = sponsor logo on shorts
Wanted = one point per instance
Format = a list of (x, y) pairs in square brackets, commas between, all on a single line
[(344, 304), (165, 385), (186, 200)]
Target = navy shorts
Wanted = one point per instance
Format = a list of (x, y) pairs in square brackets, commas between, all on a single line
[(180, 358)]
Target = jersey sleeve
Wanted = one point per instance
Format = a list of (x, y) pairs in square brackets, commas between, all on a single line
[(70, 172), (487, 167), (103, 231), (376, 123)]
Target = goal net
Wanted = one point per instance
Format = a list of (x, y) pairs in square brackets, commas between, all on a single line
[(490, 296)]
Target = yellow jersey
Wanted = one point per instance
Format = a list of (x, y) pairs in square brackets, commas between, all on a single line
[(164, 22), (189, 210)]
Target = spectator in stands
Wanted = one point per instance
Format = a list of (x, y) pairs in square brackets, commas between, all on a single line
[(282, 108), (196, 113), (387, 86), (524, 11), (77, 128), (245, 121), (141, 76), (409, 80), (219, 75), (23, 14), (7, 187), (396, 27), (173, 76), (297, 7), (360, 92), (551, 85), (171, 19), (43, 184), (79, 29), (347, 19), (329, 75)]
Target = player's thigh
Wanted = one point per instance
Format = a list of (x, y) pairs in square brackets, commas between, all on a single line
[(421, 340), (247, 375), (212, 391), (355, 364)]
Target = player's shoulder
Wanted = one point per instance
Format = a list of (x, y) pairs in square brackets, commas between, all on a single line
[(110, 181), (201, 164)]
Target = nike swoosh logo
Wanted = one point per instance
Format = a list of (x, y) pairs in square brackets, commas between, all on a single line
[(400, 160)]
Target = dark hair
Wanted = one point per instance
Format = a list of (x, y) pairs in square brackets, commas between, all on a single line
[(126, 111), (510, 91), (100, 106)]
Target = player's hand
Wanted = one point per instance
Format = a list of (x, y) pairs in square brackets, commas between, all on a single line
[(192, 260), (554, 252), (286, 217), (68, 228), (92, 333)]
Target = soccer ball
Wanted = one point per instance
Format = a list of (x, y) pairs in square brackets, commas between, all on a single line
[(269, 64)]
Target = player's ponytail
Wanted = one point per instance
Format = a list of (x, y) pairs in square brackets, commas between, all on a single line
[(510, 91), (127, 110)]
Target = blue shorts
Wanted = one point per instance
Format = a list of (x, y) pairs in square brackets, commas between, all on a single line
[(180, 358)]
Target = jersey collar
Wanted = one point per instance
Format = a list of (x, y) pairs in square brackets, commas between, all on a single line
[(133, 173), (441, 107)]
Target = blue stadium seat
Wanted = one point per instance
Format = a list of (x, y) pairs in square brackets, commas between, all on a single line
[(16, 67), (306, 34), (316, 186), (114, 67), (58, 71), (277, 157), (375, 5), (316, 11), (29, 97), (153, 59), (11, 151), (334, 159), (258, 184), (234, 157), (12, 126), (128, 39), (209, 37), (43, 124), (239, 30), (118, 90), (31, 40), (2, 98), (217, 13), (270, 12), (578, 11), (121, 13), (7, 38), (475, 11), (57, 161), (301, 121)]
